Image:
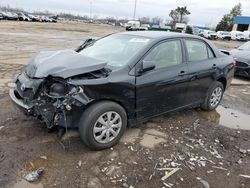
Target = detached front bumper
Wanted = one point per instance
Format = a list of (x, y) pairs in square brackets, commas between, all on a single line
[(19, 101)]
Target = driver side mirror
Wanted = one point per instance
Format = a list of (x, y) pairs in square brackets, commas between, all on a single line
[(147, 66)]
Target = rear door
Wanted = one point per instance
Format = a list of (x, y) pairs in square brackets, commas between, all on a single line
[(202, 68), (163, 88)]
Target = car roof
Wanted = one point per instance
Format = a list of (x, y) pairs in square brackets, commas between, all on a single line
[(158, 34)]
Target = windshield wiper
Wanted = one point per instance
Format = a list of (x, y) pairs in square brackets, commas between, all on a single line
[(86, 43)]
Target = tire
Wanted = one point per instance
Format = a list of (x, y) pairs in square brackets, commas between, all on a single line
[(90, 120), (211, 101)]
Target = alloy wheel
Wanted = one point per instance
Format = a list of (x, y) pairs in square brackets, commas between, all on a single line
[(216, 97)]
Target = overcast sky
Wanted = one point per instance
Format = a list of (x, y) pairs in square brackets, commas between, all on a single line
[(203, 12)]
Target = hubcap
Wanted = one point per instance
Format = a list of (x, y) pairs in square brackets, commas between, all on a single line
[(107, 127), (216, 97)]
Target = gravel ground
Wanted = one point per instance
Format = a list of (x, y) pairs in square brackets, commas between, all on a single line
[(191, 144)]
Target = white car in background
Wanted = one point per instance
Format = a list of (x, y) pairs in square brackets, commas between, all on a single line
[(224, 35), (208, 34), (247, 35), (238, 35)]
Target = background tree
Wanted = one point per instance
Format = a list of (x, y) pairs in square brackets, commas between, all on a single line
[(144, 20), (226, 23), (157, 20), (182, 11), (179, 15)]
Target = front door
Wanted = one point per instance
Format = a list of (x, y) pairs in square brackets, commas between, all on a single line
[(163, 88)]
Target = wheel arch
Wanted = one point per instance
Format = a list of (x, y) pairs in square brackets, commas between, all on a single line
[(108, 100), (223, 80)]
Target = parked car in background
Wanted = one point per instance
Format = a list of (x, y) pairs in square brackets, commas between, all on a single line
[(224, 35), (5, 16), (2, 16), (120, 80), (134, 26), (242, 58), (212, 35), (238, 35), (144, 27), (47, 19), (33, 17), (23, 17), (247, 34)]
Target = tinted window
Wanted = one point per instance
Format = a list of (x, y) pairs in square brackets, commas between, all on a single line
[(166, 54), (197, 50)]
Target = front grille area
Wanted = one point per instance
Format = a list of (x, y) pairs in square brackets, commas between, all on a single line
[(241, 64)]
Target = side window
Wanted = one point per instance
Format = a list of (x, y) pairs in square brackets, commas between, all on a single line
[(198, 51), (210, 53), (166, 54)]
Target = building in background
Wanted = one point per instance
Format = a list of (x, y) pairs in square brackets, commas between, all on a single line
[(241, 23)]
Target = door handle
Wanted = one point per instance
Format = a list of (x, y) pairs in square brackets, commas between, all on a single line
[(182, 73)]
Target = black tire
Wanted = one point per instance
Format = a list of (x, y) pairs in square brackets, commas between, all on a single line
[(207, 104), (89, 118)]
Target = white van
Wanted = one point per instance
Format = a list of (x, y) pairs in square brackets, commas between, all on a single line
[(224, 35), (133, 25), (210, 34), (238, 35)]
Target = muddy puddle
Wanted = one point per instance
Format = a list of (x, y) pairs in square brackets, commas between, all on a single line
[(227, 117)]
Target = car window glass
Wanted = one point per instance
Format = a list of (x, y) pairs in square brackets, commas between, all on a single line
[(166, 54), (197, 50), (210, 53), (116, 50)]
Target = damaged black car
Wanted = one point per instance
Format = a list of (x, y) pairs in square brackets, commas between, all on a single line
[(120, 81)]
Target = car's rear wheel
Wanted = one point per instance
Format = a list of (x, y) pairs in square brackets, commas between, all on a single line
[(102, 125), (213, 97)]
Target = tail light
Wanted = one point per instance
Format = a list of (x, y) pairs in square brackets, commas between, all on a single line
[(234, 63)]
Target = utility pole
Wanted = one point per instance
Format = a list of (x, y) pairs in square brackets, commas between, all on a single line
[(135, 8)]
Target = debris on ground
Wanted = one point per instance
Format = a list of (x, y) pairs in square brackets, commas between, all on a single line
[(44, 157), (34, 175), (79, 163), (244, 176), (196, 124), (243, 151), (220, 168), (168, 172), (1, 127), (204, 183)]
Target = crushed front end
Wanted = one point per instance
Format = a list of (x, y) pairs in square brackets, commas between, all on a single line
[(52, 100)]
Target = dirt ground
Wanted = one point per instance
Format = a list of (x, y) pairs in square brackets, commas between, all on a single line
[(191, 143)]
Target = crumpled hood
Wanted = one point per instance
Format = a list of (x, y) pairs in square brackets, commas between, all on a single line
[(241, 55), (63, 63)]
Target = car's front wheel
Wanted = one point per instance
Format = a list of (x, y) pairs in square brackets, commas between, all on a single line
[(102, 125), (213, 97)]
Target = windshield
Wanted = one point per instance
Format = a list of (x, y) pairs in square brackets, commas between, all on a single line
[(239, 34), (117, 50), (245, 46)]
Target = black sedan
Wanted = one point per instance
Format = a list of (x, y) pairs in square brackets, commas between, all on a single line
[(242, 58), (120, 80)]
